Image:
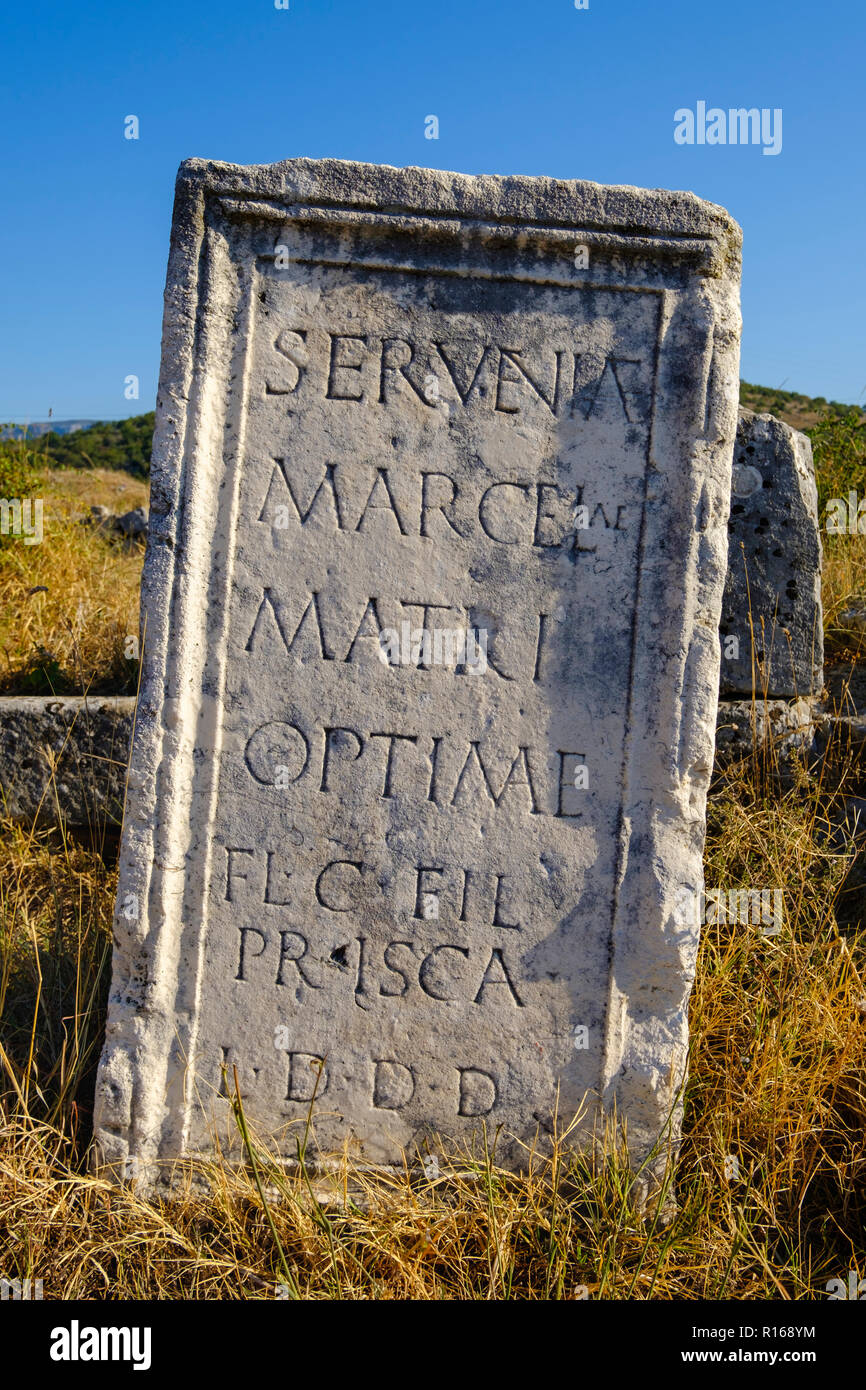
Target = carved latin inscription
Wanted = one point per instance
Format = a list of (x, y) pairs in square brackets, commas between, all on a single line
[(431, 597), (414, 473)]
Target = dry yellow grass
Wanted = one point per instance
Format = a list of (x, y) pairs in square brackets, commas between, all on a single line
[(68, 605), (843, 581), (770, 1183), (771, 1178)]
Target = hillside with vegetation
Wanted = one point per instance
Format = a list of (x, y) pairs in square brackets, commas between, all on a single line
[(126, 444), (802, 412), (122, 444)]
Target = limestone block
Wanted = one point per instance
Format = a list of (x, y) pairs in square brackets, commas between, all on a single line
[(432, 590)]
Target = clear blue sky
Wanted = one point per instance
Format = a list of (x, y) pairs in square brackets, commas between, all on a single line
[(533, 88)]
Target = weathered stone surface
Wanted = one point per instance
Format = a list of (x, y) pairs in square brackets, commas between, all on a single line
[(99, 739), (133, 524), (773, 588), (64, 758), (853, 619), (780, 728), (398, 396)]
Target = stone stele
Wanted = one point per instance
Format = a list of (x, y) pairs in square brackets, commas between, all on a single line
[(444, 886), (772, 627)]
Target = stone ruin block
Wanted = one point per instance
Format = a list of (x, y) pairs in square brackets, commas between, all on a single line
[(772, 628), (437, 883)]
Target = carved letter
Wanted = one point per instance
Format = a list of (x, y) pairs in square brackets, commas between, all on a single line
[(321, 888), (478, 1093), (428, 965), (502, 977), (294, 956), (337, 738), (244, 931), (305, 1069), (393, 1085), (230, 875), (340, 364)]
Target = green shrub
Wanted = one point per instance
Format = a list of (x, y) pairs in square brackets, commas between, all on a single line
[(839, 450), (122, 444), (18, 473)]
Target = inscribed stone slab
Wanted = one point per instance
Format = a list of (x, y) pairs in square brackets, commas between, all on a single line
[(451, 884)]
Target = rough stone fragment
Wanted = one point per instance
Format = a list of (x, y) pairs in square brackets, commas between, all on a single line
[(64, 758), (778, 728), (853, 619), (438, 889), (133, 523), (773, 588)]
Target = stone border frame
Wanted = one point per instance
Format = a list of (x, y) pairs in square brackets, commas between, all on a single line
[(675, 246)]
